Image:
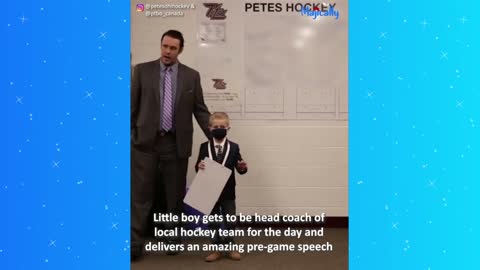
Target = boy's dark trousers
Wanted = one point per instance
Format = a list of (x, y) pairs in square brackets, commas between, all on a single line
[(223, 208)]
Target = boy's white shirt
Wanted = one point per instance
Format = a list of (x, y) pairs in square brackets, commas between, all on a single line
[(222, 144), (226, 151)]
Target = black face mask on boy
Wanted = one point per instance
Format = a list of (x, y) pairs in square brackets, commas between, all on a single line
[(219, 133)]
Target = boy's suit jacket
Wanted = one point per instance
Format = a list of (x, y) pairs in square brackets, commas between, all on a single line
[(233, 157)]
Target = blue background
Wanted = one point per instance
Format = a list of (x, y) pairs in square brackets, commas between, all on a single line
[(413, 135), (414, 138)]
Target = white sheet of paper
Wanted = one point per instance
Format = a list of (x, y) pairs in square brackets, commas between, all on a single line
[(207, 186)]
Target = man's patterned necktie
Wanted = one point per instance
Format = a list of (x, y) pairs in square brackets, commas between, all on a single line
[(167, 114)]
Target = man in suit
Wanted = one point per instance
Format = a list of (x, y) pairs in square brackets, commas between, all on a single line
[(164, 95)]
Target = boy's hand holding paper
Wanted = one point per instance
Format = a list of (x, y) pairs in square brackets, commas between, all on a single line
[(207, 186)]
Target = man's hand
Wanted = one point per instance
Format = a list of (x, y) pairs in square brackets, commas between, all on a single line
[(201, 165)]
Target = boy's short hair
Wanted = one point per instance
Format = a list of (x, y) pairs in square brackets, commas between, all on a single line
[(218, 115)]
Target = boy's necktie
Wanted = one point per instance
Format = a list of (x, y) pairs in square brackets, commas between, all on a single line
[(219, 156)]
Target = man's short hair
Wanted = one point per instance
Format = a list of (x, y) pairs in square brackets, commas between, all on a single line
[(218, 115), (174, 34)]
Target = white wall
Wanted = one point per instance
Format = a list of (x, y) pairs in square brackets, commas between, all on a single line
[(295, 166)]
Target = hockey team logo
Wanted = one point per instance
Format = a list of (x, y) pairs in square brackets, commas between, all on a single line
[(215, 11), (219, 84)]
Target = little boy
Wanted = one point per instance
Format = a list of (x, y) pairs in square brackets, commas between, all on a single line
[(227, 153)]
